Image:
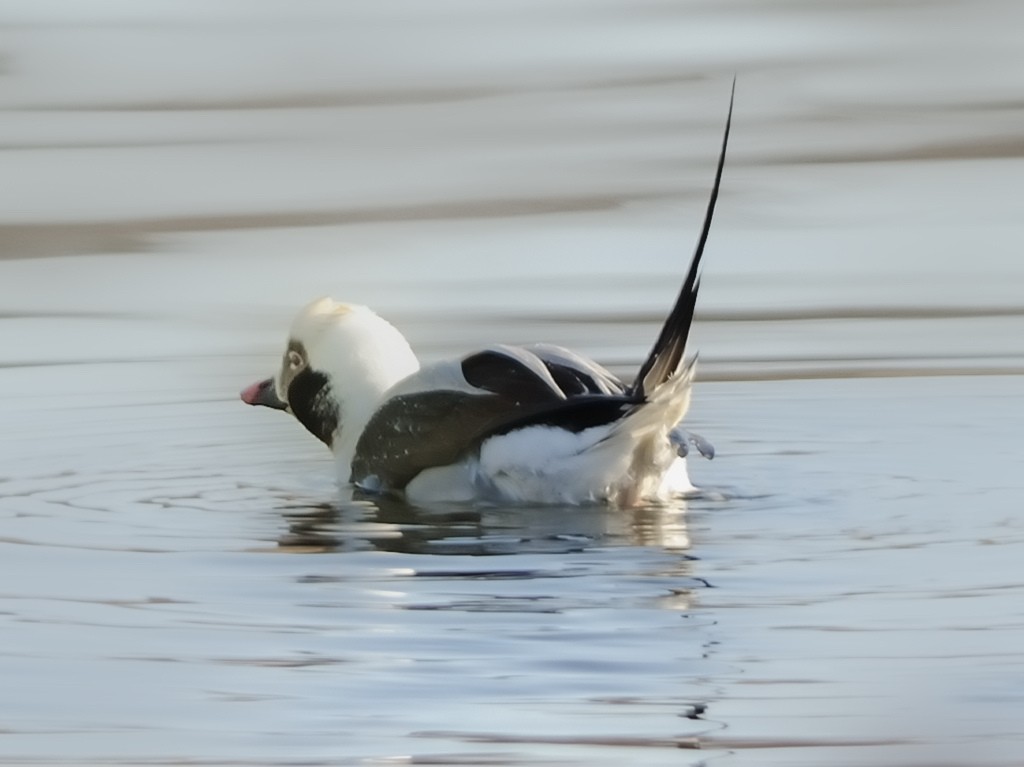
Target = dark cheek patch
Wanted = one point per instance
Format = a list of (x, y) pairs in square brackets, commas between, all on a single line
[(309, 396)]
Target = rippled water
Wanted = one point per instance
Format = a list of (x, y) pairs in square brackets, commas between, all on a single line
[(179, 582)]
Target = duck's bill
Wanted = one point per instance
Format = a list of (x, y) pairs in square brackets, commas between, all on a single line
[(262, 393)]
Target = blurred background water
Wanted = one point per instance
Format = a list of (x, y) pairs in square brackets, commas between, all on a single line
[(180, 584)]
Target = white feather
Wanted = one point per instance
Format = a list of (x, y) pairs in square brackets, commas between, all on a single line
[(626, 462)]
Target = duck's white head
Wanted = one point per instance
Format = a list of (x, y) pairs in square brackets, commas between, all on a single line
[(339, 361)]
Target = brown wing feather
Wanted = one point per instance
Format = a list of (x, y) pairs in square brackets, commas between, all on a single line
[(514, 388)]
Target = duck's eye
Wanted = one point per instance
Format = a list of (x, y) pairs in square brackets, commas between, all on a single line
[(294, 360)]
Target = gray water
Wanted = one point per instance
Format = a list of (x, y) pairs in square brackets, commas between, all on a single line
[(179, 583)]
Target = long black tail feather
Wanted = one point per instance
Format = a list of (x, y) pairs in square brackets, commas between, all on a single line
[(667, 354)]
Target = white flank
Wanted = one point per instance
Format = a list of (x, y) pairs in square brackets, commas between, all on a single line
[(626, 462)]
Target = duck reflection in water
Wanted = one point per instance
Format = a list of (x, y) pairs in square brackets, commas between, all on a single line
[(374, 522)]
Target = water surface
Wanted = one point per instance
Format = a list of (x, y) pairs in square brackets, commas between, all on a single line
[(181, 582)]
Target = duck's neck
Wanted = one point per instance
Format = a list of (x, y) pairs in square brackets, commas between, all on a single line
[(376, 358), (346, 438)]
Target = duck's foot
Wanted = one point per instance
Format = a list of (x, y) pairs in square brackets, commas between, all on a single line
[(681, 440)]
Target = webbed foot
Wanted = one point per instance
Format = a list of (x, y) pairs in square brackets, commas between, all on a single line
[(681, 439)]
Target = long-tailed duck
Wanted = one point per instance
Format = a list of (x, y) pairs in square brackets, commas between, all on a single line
[(537, 423)]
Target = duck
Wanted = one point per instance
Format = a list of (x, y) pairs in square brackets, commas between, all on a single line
[(536, 423)]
